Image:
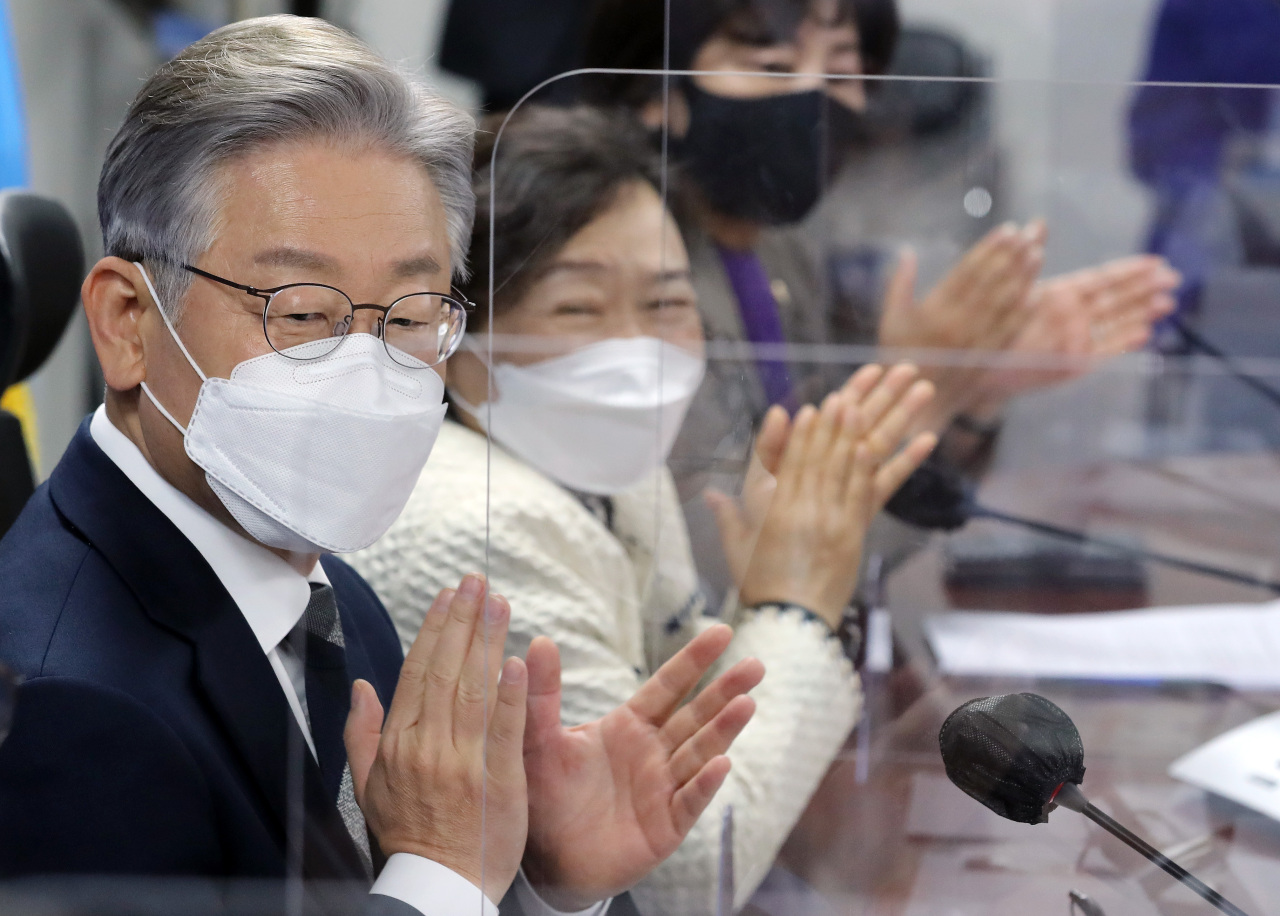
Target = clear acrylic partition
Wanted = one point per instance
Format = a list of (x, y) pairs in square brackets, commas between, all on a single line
[(1170, 449), (838, 801)]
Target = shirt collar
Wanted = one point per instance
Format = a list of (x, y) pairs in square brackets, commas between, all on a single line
[(270, 593)]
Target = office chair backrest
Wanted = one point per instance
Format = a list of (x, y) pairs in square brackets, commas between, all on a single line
[(905, 110), (41, 266)]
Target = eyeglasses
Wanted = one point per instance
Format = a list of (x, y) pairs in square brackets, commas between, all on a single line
[(417, 329)]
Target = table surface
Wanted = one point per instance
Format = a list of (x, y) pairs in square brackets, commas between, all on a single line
[(886, 833)]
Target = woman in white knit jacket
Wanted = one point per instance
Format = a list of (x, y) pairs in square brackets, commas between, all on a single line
[(566, 505)]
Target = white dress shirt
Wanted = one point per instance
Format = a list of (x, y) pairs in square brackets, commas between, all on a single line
[(273, 596)]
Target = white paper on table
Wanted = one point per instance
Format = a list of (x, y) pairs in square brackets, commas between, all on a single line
[(1237, 645), (1242, 765)]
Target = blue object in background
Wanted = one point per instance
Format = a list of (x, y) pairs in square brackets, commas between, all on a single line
[(13, 130), (1178, 133), (175, 30), (13, 173)]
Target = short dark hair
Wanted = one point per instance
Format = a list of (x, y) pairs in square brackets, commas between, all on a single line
[(628, 34), (555, 171)]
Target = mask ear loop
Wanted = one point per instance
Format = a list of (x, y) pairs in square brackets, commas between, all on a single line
[(467, 407), (480, 353), (181, 346), (477, 412)]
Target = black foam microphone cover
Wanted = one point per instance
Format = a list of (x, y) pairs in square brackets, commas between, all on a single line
[(1012, 753), (935, 496), (41, 266)]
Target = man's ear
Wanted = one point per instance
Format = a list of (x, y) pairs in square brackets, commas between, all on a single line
[(115, 299)]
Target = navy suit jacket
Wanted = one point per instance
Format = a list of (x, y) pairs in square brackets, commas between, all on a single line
[(151, 736)]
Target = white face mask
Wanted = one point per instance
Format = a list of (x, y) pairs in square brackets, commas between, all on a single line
[(598, 420), (313, 455)]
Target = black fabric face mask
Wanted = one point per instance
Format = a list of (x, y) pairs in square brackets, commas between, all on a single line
[(758, 159), (846, 129)]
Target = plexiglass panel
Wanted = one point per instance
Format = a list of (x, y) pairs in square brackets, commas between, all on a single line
[(1106, 420), (932, 371)]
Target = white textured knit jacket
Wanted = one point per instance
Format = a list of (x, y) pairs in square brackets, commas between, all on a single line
[(619, 603)]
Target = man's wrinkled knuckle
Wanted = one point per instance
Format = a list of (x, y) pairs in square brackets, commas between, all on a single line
[(389, 745), (413, 670), (421, 768), (504, 746), (438, 679), (471, 695)]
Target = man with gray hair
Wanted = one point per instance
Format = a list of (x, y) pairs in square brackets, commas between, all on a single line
[(282, 213)]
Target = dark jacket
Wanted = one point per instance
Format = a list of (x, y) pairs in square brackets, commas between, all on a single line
[(151, 736), (151, 739)]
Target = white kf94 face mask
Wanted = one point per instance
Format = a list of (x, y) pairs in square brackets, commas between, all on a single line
[(597, 420), (313, 455)]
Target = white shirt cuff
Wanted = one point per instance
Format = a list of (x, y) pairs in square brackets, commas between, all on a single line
[(533, 905), (430, 887)]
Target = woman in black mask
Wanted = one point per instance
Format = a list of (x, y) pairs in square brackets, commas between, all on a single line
[(776, 84), (755, 139), (779, 77)]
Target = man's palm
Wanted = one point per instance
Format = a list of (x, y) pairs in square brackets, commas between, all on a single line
[(611, 799), (606, 785)]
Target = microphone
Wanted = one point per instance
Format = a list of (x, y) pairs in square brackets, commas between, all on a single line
[(935, 496), (1022, 757)]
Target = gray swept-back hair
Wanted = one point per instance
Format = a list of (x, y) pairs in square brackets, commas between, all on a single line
[(253, 84)]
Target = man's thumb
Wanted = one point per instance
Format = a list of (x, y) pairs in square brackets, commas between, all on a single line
[(362, 732)]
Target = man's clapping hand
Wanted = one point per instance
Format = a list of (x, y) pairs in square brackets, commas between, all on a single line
[(443, 777), (603, 803), (611, 799)]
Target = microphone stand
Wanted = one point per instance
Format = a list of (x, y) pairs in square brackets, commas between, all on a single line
[(1070, 797), (937, 497), (979, 511), (1197, 342)]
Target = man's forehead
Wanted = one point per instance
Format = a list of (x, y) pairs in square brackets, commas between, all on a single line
[(323, 208), (412, 265), (324, 180)]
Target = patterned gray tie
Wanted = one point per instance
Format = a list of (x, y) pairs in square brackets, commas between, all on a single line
[(321, 621)]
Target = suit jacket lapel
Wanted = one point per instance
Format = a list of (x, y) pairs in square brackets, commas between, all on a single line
[(257, 717), (179, 590)]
